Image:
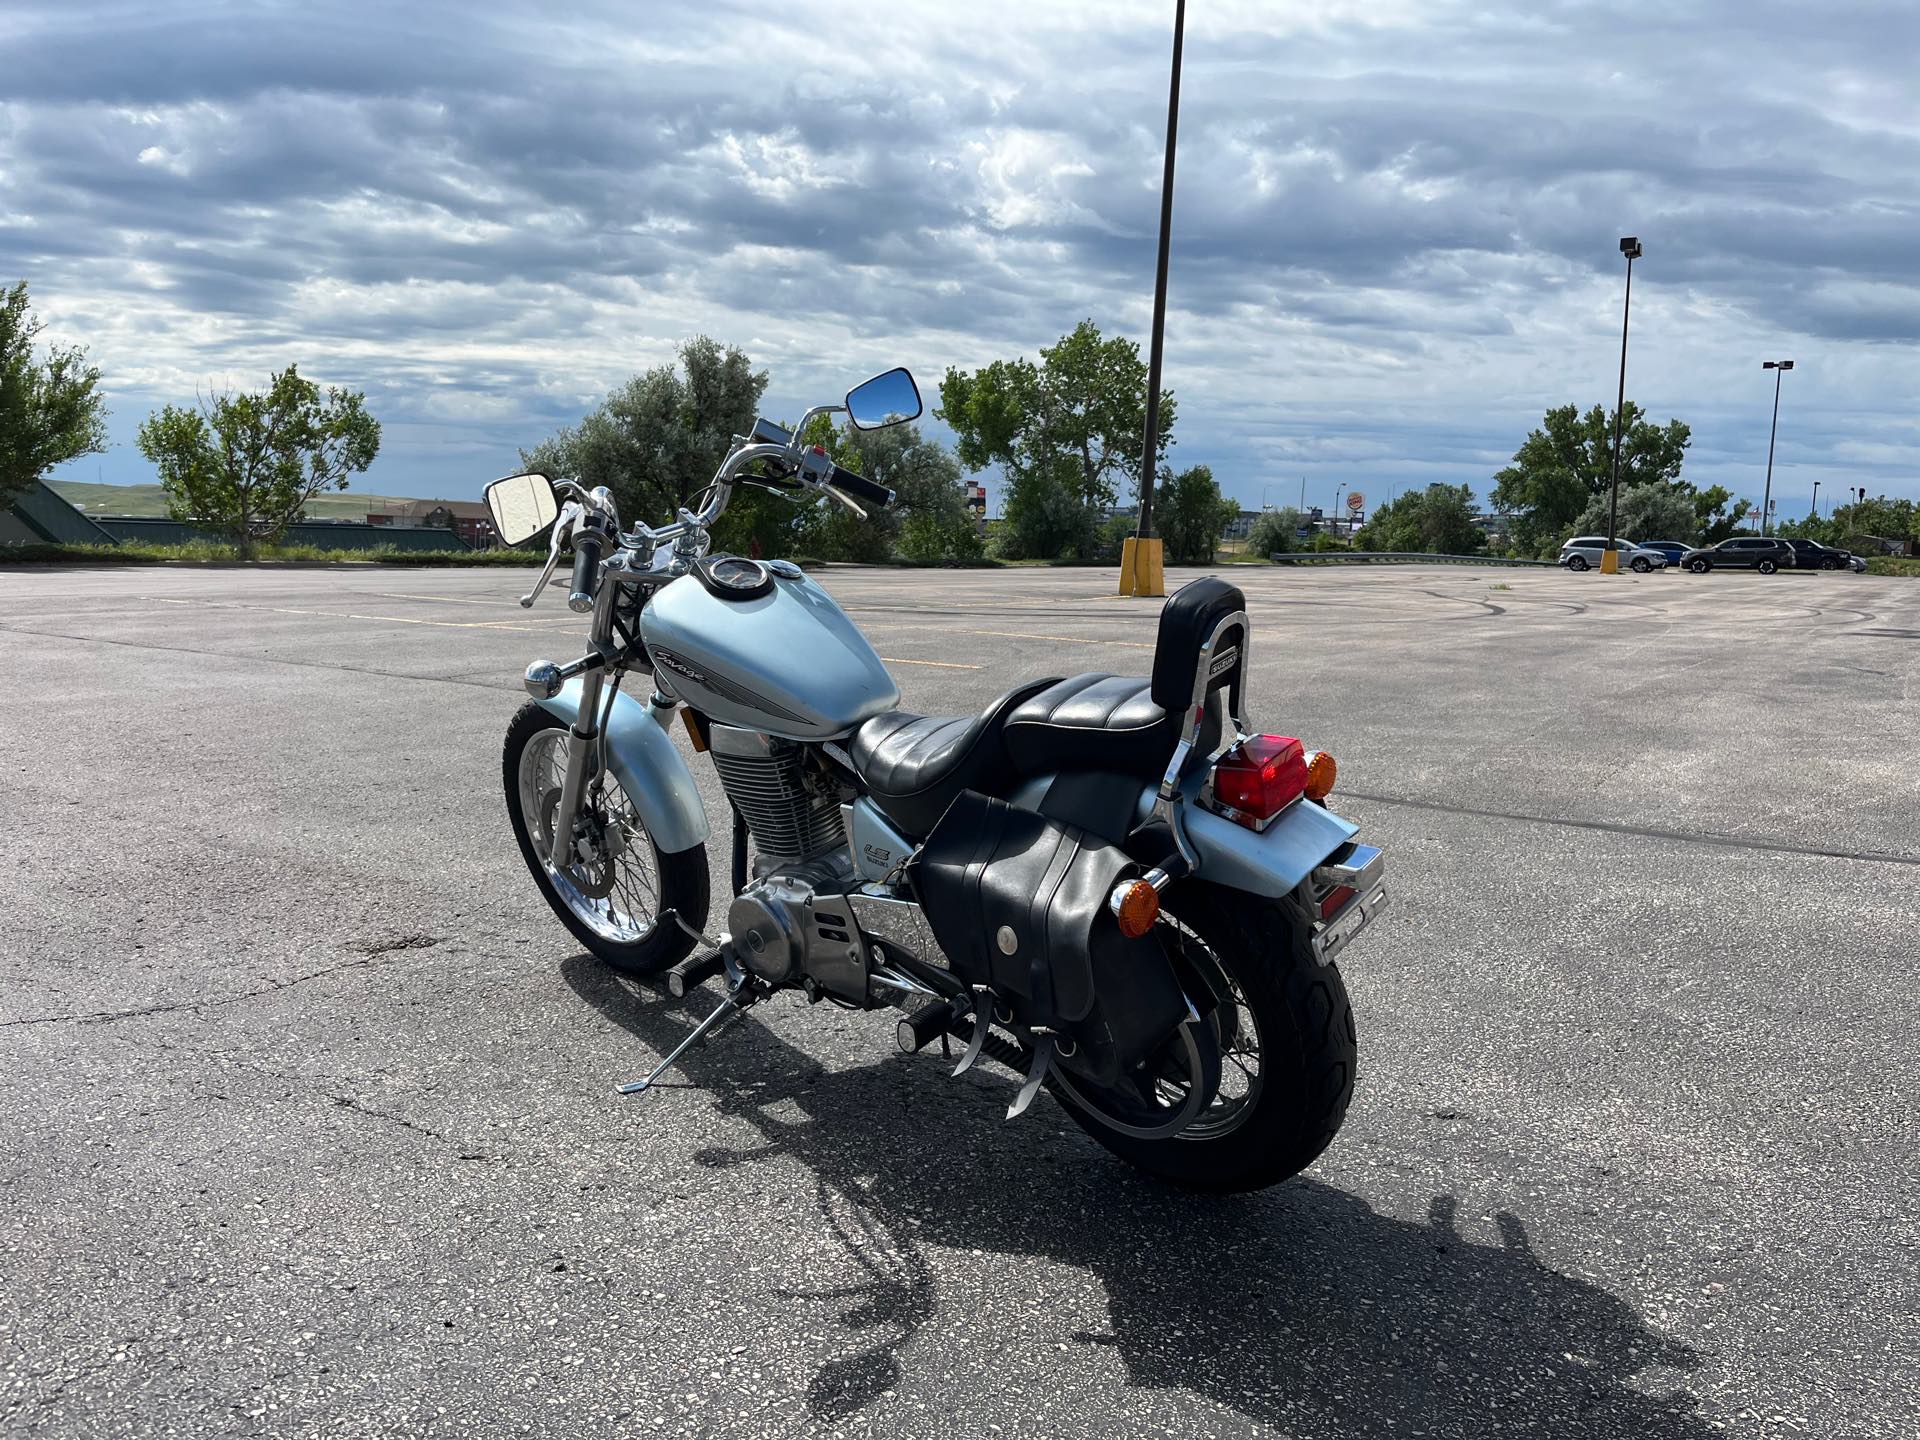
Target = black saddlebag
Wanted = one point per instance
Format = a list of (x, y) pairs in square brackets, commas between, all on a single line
[(1019, 902)]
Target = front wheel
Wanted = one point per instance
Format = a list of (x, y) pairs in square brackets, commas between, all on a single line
[(1642, 566), (619, 894), (1698, 567), (1284, 1028)]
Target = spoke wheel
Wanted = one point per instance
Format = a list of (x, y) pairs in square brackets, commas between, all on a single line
[(622, 898)]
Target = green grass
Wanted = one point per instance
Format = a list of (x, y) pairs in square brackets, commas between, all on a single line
[(206, 551), (150, 500), (1893, 565)]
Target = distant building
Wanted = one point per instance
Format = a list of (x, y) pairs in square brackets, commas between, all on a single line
[(466, 518), (1241, 526)]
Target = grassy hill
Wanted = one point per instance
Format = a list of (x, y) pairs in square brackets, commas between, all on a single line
[(150, 500)]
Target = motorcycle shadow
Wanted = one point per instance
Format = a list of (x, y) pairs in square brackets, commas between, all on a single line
[(1300, 1307)]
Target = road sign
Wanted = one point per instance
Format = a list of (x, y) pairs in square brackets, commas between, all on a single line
[(1356, 502)]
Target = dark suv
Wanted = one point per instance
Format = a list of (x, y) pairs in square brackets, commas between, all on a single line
[(1743, 552), (1812, 555)]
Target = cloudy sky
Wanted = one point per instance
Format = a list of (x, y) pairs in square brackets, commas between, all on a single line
[(1395, 228)]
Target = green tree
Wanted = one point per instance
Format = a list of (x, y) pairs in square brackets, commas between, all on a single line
[(657, 440), (1647, 512), (1562, 465), (50, 409), (1276, 532), (1066, 434), (245, 466), (1437, 521), (1716, 514), (928, 520), (1194, 515)]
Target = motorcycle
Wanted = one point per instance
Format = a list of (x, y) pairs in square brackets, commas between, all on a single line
[(1109, 885)]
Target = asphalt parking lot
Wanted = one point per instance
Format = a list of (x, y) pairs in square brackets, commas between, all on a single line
[(310, 1123)]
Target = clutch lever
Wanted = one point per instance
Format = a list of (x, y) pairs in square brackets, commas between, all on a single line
[(562, 530)]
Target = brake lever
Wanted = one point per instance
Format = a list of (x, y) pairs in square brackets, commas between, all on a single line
[(846, 500)]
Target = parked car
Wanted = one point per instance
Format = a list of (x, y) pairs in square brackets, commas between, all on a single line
[(1583, 552), (1857, 564), (1742, 552), (1672, 549), (1812, 555)]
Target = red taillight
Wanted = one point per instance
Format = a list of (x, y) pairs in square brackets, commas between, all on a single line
[(1261, 776), (1336, 897)]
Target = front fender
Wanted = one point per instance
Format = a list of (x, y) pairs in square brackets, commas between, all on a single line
[(1265, 862), (645, 760)]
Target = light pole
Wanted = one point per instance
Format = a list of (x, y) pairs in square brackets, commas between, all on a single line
[(1610, 562), (1136, 577), (1816, 499), (1779, 368)]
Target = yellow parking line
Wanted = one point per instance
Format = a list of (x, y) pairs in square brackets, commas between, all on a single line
[(355, 615), (937, 664), (1023, 635)]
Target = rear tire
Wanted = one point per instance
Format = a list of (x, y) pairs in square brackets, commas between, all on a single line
[(1577, 562), (1766, 567), (1303, 1023), (681, 887)]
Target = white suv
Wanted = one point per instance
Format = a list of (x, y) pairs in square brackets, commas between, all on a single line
[(1583, 552)]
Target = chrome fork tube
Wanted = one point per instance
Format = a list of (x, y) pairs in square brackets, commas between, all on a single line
[(585, 732)]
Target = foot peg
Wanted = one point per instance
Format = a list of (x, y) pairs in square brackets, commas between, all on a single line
[(738, 999), (695, 971), (927, 1024)]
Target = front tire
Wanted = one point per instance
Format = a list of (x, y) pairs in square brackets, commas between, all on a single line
[(1698, 567), (1641, 567), (623, 904), (1273, 1120)]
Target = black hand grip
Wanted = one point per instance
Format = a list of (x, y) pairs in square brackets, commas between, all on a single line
[(861, 488), (586, 568)]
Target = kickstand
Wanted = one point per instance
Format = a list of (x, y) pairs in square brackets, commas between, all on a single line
[(738, 999)]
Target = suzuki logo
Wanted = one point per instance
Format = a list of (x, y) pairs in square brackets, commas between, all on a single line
[(1225, 660)]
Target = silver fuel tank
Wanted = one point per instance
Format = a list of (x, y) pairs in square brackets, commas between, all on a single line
[(786, 661)]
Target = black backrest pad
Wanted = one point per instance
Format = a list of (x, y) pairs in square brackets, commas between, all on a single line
[(1185, 623)]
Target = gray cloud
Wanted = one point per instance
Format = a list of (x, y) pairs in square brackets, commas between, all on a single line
[(1394, 235)]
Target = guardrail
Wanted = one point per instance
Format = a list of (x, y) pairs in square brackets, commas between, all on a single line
[(1389, 557)]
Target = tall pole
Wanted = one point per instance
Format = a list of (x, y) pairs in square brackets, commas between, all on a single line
[(1816, 499), (1629, 247), (1779, 368), (1150, 451)]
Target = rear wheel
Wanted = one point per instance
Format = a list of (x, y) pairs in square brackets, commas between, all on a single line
[(619, 894), (1767, 567), (1576, 562), (1284, 1030)]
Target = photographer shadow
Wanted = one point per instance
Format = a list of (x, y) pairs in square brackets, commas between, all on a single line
[(1300, 1307)]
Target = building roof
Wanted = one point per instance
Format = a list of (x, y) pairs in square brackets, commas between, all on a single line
[(420, 509)]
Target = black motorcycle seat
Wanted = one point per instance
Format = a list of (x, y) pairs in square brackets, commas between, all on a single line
[(914, 765)]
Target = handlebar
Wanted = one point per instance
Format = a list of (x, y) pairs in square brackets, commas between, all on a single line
[(861, 488), (586, 569)]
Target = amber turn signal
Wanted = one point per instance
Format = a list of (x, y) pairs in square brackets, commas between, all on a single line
[(1321, 773), (1135, 905)]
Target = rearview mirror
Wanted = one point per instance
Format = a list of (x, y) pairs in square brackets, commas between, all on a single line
[(889, 399), (522, 506)]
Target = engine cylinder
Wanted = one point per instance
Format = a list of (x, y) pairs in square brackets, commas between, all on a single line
[(766, 778)]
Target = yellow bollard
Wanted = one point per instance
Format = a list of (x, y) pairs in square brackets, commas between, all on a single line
[(1142, 567), (1609, 562), (1126, 565)]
